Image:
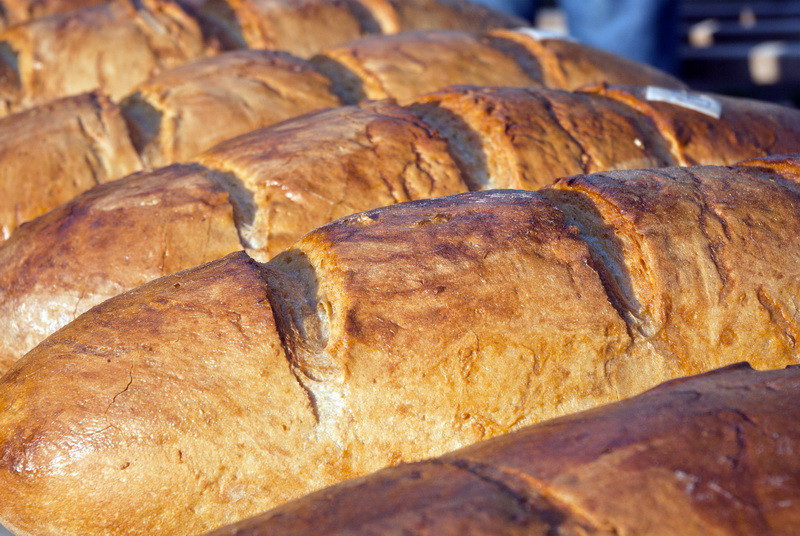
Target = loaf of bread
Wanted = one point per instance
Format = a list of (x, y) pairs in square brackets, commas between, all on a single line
[(404, 66), (118, 44), (710, 130), (53, 152), (709, 454), (285, 180), (394, 335), (567, 64), (304, 27), (113, 46), (184, 111)]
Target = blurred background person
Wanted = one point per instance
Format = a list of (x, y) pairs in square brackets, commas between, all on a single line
[(642, 30)]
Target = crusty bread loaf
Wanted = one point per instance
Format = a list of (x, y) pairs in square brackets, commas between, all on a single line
[(713, 130), (180, 112), (513, 138), (112, 46), (100, 235), (394, 335), (304, 27), (303, 173), (285, 180), (570, 65), (184, 111), (115, 45), (301, 27), (51, 153), (404, 66), (710, 454)]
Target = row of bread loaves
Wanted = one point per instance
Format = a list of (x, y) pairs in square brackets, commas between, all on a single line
[(56, 150), (265, 189), (393, 335)]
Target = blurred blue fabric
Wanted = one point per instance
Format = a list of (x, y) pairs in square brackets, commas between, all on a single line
[(643, 30), (4, 532)]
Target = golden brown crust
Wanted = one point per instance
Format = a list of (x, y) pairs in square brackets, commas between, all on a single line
[(301, 27), (409, 331), (184, 111), (744, 128), (702, 265), (353, 158), (314, 399), (105, 242), (225, 311), (50, 154), (407, 65), (518, 138), (711, 454), (570, 65), (112, 46)]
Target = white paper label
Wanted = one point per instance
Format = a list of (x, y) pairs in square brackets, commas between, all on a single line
[(538, 34), (693, 101)]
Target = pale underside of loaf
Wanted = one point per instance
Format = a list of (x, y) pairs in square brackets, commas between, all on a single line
[(711, 454), (283, 181), (394, 335)]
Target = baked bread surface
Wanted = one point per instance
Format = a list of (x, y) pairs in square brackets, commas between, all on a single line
[(99, 235), (112, 46), (184, 111), (50, 154), (744, 128), (412, 63), (304, 173), (393, 335), (709, 454)]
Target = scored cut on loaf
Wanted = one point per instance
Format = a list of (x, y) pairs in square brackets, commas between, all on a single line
[(269, 187), (394, 335), (518, 138), (51, 153), (709, 454), (406, 65), (184, 111), (710, 130), (567, 64), (111, 46), (101, 235)]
